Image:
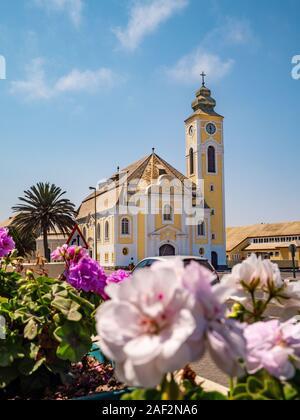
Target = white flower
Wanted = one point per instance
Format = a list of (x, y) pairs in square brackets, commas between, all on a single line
[(289, 299), (254, 274), (222, 337), (227, 346), (275, 347), (164, 318), (147, 325)]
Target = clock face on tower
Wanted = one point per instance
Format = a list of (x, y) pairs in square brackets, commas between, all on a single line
[(211, 129)]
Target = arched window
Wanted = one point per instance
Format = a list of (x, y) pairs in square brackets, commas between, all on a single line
[(192, 163), (211, 159), (168, 213), (84, 233), (106, 231), (98, 232), (201, 229), (125, 228)]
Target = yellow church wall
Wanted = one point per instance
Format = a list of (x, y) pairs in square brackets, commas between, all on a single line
[(128, 240), (218, 136), (215, 199), (199, 240), (141, 228), (159, 223), (176, 205)]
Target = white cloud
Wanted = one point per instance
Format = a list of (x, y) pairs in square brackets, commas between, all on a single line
[(145, 18), (88, 80), (209, 55), (36, 85), (188, 69), (232, 32), (73, 8)]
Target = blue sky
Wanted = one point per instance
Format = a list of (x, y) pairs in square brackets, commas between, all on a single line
[(93, 84)]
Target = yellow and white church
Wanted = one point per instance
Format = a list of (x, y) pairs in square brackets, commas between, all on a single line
[(124, 236)]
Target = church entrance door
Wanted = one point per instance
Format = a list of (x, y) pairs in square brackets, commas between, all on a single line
[(166, 251)]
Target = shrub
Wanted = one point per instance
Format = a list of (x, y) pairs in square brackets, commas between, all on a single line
[(49, 325)]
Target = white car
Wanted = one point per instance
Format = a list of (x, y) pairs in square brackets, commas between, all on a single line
[(148, 262)]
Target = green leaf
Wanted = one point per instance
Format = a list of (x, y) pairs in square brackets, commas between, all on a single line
[(31, 330), (75, 342), (68, 308), (213, 396), (143, 395), (290, 393), (273, 389), (239, 389), (254, 386), (7, 375), (27, 366), (243, 397)]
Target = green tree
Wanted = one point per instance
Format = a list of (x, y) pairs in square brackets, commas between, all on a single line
[(42, 210)]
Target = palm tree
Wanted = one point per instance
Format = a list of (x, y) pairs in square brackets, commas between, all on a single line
[(41, 210)]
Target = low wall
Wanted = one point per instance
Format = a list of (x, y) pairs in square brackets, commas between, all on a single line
[(53, 270)]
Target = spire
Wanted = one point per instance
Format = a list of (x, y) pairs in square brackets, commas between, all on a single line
[(203, 75), (204, 101)]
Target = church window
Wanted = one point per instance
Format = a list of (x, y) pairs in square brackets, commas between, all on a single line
[(211, 159), (125, 227), (213, 237), (212, 188), (98, 232), (168, 214), (106, 231), (84, 233), (213, 212), (201, 229), (192, 163)]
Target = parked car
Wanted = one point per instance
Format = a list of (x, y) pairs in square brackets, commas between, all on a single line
[(148, 262)]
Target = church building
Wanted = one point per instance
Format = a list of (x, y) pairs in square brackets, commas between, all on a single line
[(125, 228)]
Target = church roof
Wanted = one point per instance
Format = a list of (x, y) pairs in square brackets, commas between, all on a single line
[(237, 235), (147, 169)]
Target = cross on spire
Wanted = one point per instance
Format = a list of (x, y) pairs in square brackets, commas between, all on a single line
[(203, 75)]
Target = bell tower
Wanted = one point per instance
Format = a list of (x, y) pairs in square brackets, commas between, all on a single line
[(205, 166)]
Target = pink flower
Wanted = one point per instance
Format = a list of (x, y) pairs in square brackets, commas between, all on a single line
[(7, 244), (118, 277), (275, 347), (87, 275), (69, 254), (113, 281)]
